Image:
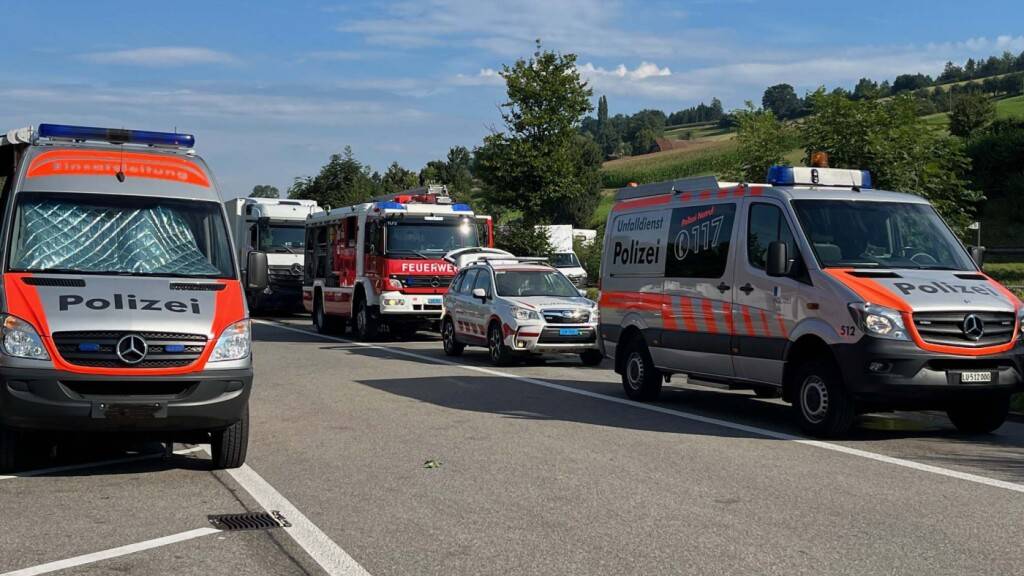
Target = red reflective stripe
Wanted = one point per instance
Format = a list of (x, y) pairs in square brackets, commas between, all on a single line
[(709, 316), (729, 322), (686, 305), (764, 322), (782, 326), (643, 202), (749, 324), (668, 315)]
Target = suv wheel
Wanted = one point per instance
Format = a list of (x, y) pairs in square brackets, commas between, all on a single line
[(500, 354), (452, 347), (641, 380), (591, 357), (822, 407), (979, 415), (228, 446), (367, 325)]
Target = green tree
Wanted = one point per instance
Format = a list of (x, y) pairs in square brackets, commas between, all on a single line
[(522, 239), (602, 111), (901, 152), (455, 172), (763, 142), (341, 182), (397, 179), (540, 166), (782, 100), (264, 191), (971, 112)]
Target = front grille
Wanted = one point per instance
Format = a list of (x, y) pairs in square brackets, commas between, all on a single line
[(554, 336), (426, 281), (948, 328), (560, 316), (103, 388), (97, 349)]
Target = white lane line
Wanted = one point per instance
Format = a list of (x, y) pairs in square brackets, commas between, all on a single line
[(322, 549), (97, 464), (111, 553), (993, 482)]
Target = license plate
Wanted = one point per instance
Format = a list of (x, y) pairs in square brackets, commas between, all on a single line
[(433, 300), (975, 377), (569, 332)]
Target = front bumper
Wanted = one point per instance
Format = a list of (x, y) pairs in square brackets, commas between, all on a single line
[(62, 401), (425, 306), (900, 374), (549, 339)]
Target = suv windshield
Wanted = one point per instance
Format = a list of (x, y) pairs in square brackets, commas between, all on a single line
[(280, 238), (420, 237), (564, 260), (854, 234), (96, 234), (533, 283)]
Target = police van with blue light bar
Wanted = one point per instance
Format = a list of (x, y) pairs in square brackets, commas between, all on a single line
[(815, 287), (122, 309)]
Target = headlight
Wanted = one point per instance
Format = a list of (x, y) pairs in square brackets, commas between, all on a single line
[(20, 339), (233, 344), (879, 321), (524, 314)]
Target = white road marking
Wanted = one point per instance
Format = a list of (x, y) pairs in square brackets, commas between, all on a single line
[(97, 464), (993, 482), (111, 553)]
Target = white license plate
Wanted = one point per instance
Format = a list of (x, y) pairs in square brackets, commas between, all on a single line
[(975, 377), (433, 301)]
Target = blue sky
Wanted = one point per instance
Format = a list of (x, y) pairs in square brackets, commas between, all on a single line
[(271, 89)]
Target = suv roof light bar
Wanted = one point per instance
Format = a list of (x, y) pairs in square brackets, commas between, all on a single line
[(115, 136), (698, 184)]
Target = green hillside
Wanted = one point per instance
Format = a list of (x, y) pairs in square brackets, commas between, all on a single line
[(1005, 108)]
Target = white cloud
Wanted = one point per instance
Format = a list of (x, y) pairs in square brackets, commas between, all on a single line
[(161, 56), (485, 77), (641, 72)]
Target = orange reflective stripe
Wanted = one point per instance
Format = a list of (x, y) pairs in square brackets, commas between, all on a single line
[(782, 326), (109, 163), (748, 322), (668, 315), (869, 290), (729, 322), (686, 305), (709, 316), (764, 323)]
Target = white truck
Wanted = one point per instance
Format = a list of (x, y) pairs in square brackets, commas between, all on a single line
[(563, 256), (275, 227)]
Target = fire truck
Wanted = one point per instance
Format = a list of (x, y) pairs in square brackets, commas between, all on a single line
[(379, 266)]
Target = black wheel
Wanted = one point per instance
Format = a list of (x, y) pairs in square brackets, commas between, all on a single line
[(500, 354), (591, 357), (768, 392), (452, 347), (228, 446), (366, 321), (8, 449), (324, 323), (979, 415), (640, 378), (822, 407)]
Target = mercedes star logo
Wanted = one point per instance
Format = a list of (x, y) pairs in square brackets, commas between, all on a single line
[(435, 282), (296, 269), (132, 349), (973, 327)]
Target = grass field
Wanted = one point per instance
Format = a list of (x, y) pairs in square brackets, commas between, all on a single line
[(1005, 108), (699, 131)]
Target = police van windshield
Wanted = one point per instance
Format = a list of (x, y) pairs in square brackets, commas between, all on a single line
[(132, 236), (533, 283), (277, 238), (429, 238), (855, 234)]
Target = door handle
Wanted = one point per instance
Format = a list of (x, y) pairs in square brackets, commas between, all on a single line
[(723, 287), (747, 288)]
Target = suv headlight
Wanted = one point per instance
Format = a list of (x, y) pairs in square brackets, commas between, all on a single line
[(233, 344), (524, 314), (879, 321), (20, 339)]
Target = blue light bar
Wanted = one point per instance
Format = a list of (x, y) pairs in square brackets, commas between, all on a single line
[(781, 176), (116, 135), (390, 206), (461, 208)]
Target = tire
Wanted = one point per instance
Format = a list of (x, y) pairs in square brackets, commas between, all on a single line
[(980, 415), (8, 450), (500, 354), (768, 392), (324, 323), (452, 347), (822, 406), (591, 357), (365, 321), (641, 380), (228, 446)]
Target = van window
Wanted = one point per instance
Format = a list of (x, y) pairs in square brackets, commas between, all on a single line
[(699, 241), (767, 224), (467, 282), (103, 234)]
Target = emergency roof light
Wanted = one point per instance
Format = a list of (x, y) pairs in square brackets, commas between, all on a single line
[(115, 136), (803, 176)]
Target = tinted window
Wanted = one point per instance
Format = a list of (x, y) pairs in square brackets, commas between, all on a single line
[(467, 282), (699, 241), (483, 280), (454, 287), (534, 283), (767, 225)]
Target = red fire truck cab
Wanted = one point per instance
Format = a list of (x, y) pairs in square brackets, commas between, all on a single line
[(378, 266)]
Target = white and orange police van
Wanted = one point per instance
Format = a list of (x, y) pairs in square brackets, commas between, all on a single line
[(841, 298), (381, 263), (121, 305)]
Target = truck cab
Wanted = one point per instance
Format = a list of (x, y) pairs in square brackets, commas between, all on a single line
[(815, 287), (121, 310)]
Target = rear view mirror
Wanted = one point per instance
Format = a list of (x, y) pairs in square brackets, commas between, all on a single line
[(978, 255), (256, 271), (778, 259), (480, 293)]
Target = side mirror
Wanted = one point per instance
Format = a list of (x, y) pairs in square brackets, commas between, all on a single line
[(582, 292), (978, 255), (256, 271), (480, 293), (778, 259)]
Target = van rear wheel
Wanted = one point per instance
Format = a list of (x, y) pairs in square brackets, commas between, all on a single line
[(822, 406), (980, 415), (229, 446), (641, 380)]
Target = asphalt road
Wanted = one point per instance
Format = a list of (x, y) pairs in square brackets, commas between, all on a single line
[(540, 468)]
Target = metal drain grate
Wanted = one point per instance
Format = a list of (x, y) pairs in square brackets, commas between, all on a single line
[(249, 521)]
